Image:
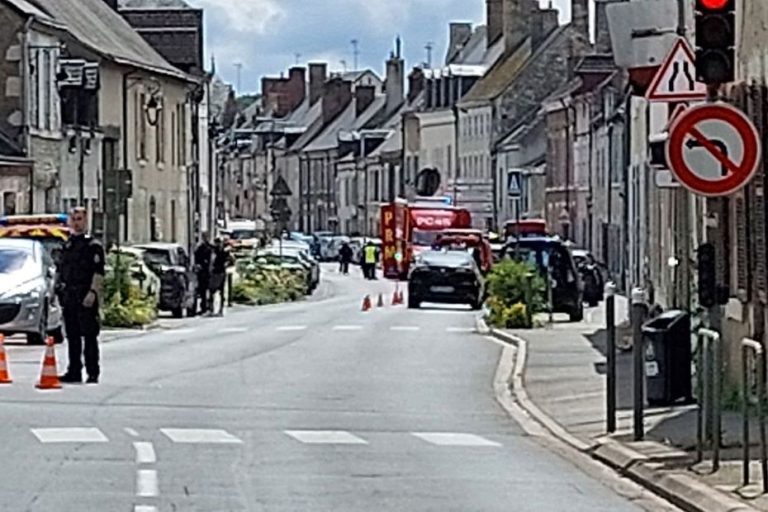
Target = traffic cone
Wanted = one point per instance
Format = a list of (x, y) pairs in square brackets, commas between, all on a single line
[(380, 303), (49, 377), (5, 377), (395, 298), (367, 303), (400, 298)]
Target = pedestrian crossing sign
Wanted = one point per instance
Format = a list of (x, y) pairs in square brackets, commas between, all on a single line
[(514, 188)]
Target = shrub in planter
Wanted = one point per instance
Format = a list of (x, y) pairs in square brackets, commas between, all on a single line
[(516, 291), (124, 304)]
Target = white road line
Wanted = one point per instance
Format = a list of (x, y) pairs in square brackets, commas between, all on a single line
[(288, 328), (347, 327), (454, 439), (178, 331), (200, 436), (233, 330), (145, 453), (146, 483), (69, 435), (144, 508), (404, 328), (131, 432), (459, 329), (325, 437)]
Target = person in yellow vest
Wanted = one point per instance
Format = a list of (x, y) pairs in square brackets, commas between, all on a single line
[(370, 255)]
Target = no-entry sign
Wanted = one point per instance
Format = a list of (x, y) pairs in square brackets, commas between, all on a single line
[(713, 149)]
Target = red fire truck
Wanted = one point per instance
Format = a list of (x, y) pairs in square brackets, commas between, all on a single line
[(409, 228)]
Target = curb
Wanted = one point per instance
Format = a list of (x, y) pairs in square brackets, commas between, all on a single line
[(679, 489)]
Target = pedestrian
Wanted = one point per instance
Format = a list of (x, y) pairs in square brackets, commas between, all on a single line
[(203, 262), (345, 257), (81, 281), (370, 255), (220, 262)]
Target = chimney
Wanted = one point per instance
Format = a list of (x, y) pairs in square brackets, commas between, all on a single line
[(318, 74), (544, 21), (364, 96), (297, 86), (580, 17), (494, 11), (112, 4), (415, 83), (459, 34), (337, 95), (393, 83), (602, 33), (517, 16)]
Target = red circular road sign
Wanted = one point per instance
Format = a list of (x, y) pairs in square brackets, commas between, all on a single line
[(727, 138)]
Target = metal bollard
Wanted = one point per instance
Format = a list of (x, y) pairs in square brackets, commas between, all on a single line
[(709, 394), (638, 315), (749, 346), (230, 278), (610, 333)]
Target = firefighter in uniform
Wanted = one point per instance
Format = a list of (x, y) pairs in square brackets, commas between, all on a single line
[(81, 285), (370, 253)]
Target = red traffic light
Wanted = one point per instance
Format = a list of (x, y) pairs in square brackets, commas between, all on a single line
[(712, 4)]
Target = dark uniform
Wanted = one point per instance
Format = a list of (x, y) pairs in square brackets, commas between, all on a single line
[(204, 260), (81, 259)]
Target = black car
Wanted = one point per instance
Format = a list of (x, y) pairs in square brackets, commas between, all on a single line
[(447, 277), (552, 257), (178, 282)]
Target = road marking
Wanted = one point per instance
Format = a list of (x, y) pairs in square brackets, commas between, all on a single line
[(179, 331), (292, 328), (200, 436), (131, 432), (325, 437), (404, 328), (146, 483), (454, 439), (233, 330), (145, 453), (69, 435), (347, 327), (144, 508), (459, 329)]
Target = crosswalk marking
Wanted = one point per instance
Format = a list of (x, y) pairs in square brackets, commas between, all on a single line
[(200, 436), (325, 437), (146, 483), (288, 328), (144, 508), (145, 453), (69, 435), (460, 329), (404, 328), (454, 439), (347, 327)]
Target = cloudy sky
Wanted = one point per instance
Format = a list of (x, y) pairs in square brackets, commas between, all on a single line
[(265, 36)]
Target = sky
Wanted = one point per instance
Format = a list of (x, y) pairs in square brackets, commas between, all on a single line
[(265, 36)]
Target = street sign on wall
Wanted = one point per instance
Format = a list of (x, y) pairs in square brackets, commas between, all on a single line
[(514, 185), (713, 149), (676, 78)]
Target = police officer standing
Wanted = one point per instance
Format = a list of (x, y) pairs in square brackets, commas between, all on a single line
[(82, 282), (203, 263), (370, 255)]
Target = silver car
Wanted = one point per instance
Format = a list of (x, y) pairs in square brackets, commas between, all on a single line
[(28, 302)]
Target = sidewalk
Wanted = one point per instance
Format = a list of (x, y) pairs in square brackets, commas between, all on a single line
[(564, 377)]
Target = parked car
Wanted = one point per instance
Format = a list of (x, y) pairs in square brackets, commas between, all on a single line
[(552, 257), (178, 282), (140, 274), (28, 301), (445, 276), (297, 249), (591, 276), (288, 261)]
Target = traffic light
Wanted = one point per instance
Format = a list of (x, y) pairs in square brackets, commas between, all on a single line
[(715, 41), (708, 293)]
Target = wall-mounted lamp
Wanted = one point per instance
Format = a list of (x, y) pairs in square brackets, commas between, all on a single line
[(152, 110)]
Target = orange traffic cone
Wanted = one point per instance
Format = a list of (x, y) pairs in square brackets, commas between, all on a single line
[(400, 298), (367, 303), (49, 377), (395, 298), (380, 303), (5, 377)]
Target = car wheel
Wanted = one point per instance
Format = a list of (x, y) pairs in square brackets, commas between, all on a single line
[(178, 312), (413, 303), (477, 304), (578, 314)]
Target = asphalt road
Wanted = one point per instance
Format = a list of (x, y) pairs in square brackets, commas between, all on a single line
[(312, 406)]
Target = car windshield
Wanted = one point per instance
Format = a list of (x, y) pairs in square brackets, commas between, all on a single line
[(446, 258), (157, 257), (243, 234), (424, 238), (13, 260), (274, 258)]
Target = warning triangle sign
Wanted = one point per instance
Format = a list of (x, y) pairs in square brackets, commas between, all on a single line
[(281, 188), (513, 185), (676, 78)]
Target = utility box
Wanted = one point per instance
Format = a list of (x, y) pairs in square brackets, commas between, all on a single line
[(667, 348)]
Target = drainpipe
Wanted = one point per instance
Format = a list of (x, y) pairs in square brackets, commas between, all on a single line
[(25, 86)]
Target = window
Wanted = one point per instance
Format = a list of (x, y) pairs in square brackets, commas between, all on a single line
[(160, 135), (47, 78), (449, 161), (173, 230), (34, 89), (153, 224), (9, 203)]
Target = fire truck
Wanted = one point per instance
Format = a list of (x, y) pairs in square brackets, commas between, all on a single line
[(409, 228)]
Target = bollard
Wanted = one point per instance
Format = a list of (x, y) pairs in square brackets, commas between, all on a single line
[(753, 347), (230, 278), (610, 333), (529, 298), (638, 315), (709, 395)]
